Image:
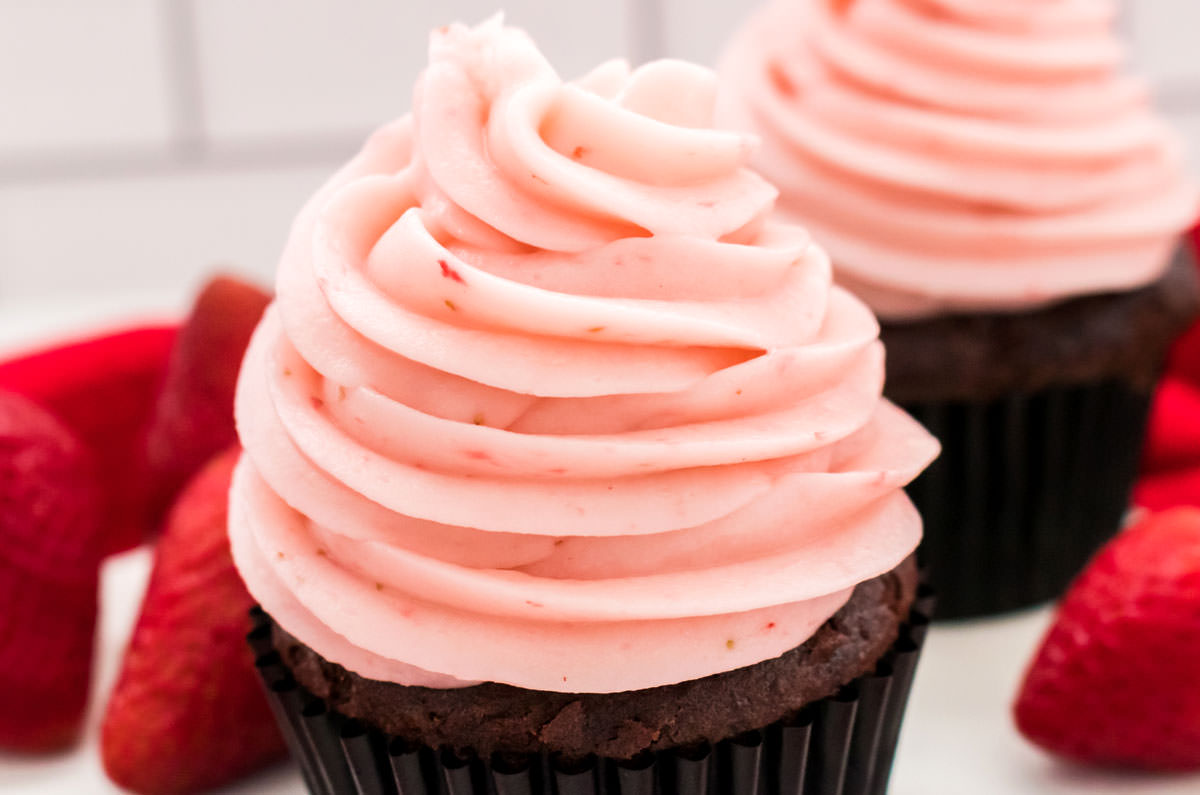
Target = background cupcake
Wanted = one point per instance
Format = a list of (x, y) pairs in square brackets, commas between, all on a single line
[(563, 462), (991, 183)]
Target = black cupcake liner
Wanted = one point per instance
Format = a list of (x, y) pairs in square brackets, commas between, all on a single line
[(842, 745), (1027, 488)]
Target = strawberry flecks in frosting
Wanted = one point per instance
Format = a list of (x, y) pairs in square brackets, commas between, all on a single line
[(449, 272), (542, 379), (961, 155)]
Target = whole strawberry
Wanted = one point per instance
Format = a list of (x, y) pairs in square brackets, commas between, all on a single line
[(50, 552), (188, 712), (1184, 361), (192, 417), (103, 388), (1117, 678)]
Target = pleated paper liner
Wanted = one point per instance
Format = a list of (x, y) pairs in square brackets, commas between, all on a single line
[(843, 745), (1027, 488)]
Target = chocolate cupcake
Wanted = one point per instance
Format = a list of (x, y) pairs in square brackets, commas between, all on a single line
[(987, 179), (842, 742), (564, 465)]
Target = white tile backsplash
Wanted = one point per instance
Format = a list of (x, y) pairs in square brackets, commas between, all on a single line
[(158, 234), (144, 141), (697, 30), (1188, 123), (272, 67), (1166, 38), (81, 75)]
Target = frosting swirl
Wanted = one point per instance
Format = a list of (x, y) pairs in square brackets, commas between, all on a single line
[(541, 380), (961, 155)]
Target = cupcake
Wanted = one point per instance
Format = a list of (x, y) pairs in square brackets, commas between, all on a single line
[(565, 468), (987, 179)]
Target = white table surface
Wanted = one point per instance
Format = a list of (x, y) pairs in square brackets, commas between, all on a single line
[(958, 736)]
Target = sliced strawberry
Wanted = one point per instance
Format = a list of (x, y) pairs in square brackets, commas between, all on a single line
[(1115, 680), (192, 419), (188, 712), (103, 389), (50, 552)]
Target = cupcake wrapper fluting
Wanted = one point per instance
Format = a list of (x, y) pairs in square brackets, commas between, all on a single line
[(842, 745), (1027, 488)]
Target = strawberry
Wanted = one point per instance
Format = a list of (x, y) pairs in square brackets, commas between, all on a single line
[(1184, 359), (50, 552), (1114, 681), (188, 712), (103, 388), (193, 418), (1173, 435), (1185, 354), (1170, 488)]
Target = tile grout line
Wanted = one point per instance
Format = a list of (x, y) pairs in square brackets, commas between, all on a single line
[(191, 151), (1125, 23), (646, 30), (186, 101), (131, 163)]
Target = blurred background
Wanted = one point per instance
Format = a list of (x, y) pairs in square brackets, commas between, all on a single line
[(144, 142)]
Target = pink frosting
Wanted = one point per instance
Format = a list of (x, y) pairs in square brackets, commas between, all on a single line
[(961, 155), (545, 401)]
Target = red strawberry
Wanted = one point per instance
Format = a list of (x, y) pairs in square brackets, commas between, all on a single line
[(1170, 488), (193, 418), (1173, 436), (50, 552), (103, 389), (1115, 681), (188, 712), (1184, 361)]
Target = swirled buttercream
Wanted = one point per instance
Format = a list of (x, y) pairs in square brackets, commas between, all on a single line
[(960, 155), (544, 399)]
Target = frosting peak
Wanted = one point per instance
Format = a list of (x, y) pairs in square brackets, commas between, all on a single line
[(961, 155), (542, 379)]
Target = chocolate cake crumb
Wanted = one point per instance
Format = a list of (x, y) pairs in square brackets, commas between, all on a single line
[(494, 718)]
